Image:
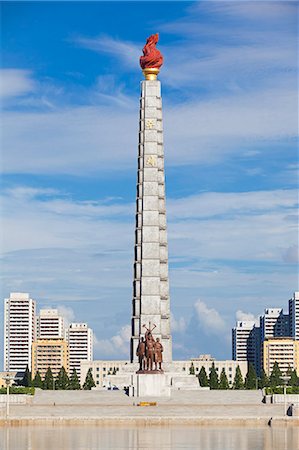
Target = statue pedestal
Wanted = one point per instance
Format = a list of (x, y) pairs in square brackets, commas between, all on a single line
[(151, 385)]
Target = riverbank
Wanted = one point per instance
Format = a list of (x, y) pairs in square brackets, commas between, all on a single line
[(152, 421), (204, 408)]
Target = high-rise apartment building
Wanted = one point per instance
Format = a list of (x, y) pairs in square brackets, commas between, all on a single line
[(53, 353), (243, 348), (19, 331), (50, 324), (284, 351), (294, 316), (274, 323), (80, 339), (246, 343)]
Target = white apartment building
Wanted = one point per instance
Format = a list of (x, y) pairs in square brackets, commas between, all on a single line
[(80, 339), (19, 331), (50, 324), (294, 316), (243, 348), (274, 323)]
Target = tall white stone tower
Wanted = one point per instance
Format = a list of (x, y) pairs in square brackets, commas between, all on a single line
[(151, 306)]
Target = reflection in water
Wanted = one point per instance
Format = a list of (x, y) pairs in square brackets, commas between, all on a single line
[(148, 438)]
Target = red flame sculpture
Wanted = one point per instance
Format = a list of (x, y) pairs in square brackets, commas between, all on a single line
[(152, 58)]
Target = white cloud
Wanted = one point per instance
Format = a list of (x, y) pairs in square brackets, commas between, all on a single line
[(67, 313), (243, 316), (210, 204), (178, 325), (15, 82), (128, 52), (84, 140), (116, 346), (209, 319), (291, 254)]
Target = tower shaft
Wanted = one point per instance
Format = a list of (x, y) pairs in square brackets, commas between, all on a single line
[(151, 305)]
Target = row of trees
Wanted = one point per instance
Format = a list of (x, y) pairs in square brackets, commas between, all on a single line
[(213, 381), (61, 382)]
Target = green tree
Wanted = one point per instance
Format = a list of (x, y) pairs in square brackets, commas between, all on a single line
[(223, 382), (238, 380), (74, 383), (275, 377), (202, 377), (213, 378), (62, 380), (48, 380), (191, 369), (250, 379), (89, 381), (37, 381), (294, 380), (263, 380), (26, 381)]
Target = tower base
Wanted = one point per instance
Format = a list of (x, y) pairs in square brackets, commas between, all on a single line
[(151, 385)]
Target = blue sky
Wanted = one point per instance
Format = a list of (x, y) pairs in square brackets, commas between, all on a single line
[(70, 82)]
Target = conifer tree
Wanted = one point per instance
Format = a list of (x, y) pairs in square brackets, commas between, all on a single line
[(238, 380), (74, 383), (223, 382), (250, 379), (26, 381), (191, 369), (89, 381), (294, 380), (202, 377), (289, 374), (275, 377), (213, 378), (263, 380), (48, 380), (62, 380), (37, 381)]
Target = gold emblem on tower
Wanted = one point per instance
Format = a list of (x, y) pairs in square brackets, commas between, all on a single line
[(149, 123), (151, 161)]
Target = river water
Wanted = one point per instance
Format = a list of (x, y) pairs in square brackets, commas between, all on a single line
[(148, 438)]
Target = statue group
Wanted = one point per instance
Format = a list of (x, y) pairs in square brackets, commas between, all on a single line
[(149, 352)]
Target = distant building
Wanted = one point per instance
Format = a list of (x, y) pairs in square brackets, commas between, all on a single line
[(284, 351), (101, 369), (80, 339), (229, 366), (50, 324), (274, 323), (243, 344), (294, 316), (19, 331), (53, 353), (246, 343)]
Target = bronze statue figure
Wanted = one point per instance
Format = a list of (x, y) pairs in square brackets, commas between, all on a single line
[(149, 352), (158, 349), (140, 352)]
